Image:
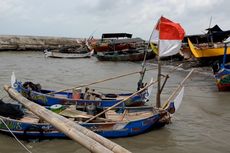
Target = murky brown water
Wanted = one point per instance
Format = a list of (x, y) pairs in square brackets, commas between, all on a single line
[(202, 123)]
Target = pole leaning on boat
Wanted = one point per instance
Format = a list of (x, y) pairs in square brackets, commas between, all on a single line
[(90, 140)]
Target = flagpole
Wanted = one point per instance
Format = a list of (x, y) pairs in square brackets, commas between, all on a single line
[(158, 96), (143, 69)]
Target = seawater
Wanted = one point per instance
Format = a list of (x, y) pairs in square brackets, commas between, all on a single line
[(202, 123)]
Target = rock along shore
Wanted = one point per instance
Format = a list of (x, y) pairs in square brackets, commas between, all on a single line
[(35, 43)]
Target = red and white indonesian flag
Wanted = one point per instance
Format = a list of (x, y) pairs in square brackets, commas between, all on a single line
[(168, 35)]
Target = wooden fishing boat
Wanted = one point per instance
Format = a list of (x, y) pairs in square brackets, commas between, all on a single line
[(134, 55), (81, 99), (207, 51), (51, 54), (115, 42), (127, 122), (222, 71), (113, 121), (211, 39)]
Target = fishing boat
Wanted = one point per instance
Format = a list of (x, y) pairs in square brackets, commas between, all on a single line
[(115, 121), (222, 71), (115, 124), (115, 42), (52, 54), (213, 38), (207, 51), (35, 93), (130, 55)]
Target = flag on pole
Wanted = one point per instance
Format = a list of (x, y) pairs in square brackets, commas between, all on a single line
[(168, 35)]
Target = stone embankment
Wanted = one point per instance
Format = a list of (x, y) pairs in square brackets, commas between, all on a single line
[(35, 43)]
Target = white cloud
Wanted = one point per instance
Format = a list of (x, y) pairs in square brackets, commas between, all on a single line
[(77, 18)]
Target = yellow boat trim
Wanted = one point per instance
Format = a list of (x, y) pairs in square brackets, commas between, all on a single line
[(209, 52), (154, 48)]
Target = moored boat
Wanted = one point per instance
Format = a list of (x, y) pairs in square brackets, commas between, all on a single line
[(50, 97), (129, 122), (115, 42), (207, 51), (212, 39), (222, 71), (135, 55), (51, 54)]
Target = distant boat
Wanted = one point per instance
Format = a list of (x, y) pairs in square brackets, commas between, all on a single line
[(214, 35), (207, 51), (222, 71), (115, 42), (51, 54), (136, 55)]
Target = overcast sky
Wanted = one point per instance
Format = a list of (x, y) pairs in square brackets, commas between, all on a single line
[(81, 18)]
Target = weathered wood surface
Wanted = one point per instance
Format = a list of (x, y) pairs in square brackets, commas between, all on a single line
[(88, 139), (12, 42)]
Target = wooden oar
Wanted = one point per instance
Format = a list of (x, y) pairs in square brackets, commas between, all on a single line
[(99, 81)]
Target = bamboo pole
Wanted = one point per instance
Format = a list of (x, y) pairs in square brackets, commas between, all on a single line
[(85, 137), (141, 90), (99, 81), (158, 96), (109, 108), (177, 89)]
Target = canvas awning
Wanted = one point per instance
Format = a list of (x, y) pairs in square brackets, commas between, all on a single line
[(116, 35)]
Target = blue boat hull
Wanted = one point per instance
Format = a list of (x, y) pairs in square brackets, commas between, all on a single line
[(43, 98), (110, 130)]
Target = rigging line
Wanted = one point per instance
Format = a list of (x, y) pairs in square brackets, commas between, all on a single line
[(15, 136), (99, 81)]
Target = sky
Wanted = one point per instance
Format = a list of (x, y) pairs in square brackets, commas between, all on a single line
[(83, 18)]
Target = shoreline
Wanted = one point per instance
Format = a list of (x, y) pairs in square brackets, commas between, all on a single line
[(35, 43)]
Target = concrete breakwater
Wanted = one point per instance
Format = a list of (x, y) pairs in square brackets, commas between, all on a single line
[(37, 43)]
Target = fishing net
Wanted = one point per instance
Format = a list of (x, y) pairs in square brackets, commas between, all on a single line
[(13, 111)]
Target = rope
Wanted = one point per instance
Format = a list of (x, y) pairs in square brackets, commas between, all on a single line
[(15, 136)]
